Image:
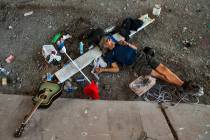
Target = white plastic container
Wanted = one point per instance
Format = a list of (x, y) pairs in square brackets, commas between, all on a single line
[(156, 10), (47, 49)]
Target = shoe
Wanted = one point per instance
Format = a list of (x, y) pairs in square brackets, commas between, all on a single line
[(192, 88)]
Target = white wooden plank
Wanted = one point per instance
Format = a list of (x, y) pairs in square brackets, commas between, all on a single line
[(67, 71), (145, 18)]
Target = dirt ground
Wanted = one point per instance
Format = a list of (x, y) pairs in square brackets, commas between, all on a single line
[(179, 20)]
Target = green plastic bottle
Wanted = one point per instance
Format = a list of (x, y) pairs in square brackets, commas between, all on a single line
[(56, 37)]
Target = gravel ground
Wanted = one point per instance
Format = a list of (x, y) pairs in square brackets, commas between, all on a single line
[(180, 20)]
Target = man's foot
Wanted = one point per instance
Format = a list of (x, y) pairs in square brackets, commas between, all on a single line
[(192, 88)]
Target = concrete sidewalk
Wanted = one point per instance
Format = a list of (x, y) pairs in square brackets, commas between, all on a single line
[(72, 119), (190, 122), (69, 119)]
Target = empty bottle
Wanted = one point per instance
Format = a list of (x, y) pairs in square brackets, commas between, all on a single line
[(81, 48)]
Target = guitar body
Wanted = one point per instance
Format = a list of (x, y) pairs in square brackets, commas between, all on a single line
[(51, 92)]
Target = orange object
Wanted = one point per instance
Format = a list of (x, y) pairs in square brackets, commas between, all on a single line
[(10, 58), (163, 73)]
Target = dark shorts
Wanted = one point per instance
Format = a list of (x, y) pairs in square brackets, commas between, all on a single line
[(144, 63)]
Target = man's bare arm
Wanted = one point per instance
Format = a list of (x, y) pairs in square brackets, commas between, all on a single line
[(113, 69), (122, 42)]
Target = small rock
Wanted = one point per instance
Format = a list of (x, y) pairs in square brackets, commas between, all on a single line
[(10, 27), (186, 9), (102, 4), (185, 48), (28, 13), (86, 111), (198, 11), (18, 78), (184, 29), (181, 128), (207, 75)]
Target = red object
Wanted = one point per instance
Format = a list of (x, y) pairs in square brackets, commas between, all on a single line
[(91, 90), (10, 58)]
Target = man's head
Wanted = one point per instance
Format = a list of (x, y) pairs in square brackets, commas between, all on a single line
[(107, 43)]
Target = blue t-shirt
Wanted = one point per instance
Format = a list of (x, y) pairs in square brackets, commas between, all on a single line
[(123, 55)]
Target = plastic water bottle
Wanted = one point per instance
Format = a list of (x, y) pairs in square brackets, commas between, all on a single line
[(81, 48)]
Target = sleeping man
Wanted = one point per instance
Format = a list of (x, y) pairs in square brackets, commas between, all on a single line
[(125, 54)]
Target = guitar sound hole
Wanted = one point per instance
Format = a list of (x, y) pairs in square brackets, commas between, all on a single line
[(42, 96)]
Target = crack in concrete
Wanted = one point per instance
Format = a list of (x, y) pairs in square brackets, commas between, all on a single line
[(173, 131)]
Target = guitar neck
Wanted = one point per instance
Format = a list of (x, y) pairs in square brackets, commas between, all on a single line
[(36, 106)]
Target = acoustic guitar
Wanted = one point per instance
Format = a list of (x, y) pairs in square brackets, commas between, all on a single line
[(48, 92)]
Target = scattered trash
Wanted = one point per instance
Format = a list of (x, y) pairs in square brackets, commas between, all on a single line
[(10, 27), (4, 71), (156, 10), (49, 77), (81, 48), (50, 54), (200, 92), (109, 29), (56, 37), (10, 59), (61, 46), (80, 79), (92, 90), (67, 36), (84, 133), (142, 84), (69, 88), (4, 81), (47, 50), (60, 42), (158, 94), (28, 13)]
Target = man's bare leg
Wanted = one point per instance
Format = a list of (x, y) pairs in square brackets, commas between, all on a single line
[(163, 73)]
